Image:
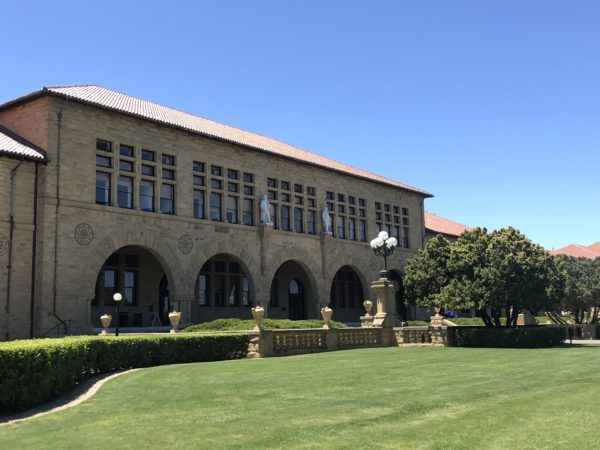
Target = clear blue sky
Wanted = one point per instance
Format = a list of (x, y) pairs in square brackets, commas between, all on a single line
[(493, 106)]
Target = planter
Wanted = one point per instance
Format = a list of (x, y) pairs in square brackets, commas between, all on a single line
[(326, 312), (368, 304), (174, 318), (258, 312), (106, 319)]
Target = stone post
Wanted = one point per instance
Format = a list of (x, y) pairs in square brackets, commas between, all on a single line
[(385, 291), (184, 304)]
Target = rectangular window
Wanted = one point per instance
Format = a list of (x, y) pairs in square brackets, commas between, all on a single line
[(248, 177), (377, 205), (386, 208), (377, 216), (234, 292), (405, 221), (285, 218), (147, 170), (298, 188), (341, 209), (377, 227), (363, 213), (233, 187), (310, 191), (167, 199), (396, 210), (405, 239), (310, 222), (351, 200), (405, 211), (102, 188), (362, 231), (202, 292), (216, 184), (361, 202), (231, 213), (341, 227), (198, 166), (298, 200), (110, 279), (352, 229), (215, 170), (341, 198), (126, 150), (104, 146), (329, 195), (285, 185), (168, 160), (233, 174), (219, 290), (247, 211), (310, 202), (352, 210), (273, 213), (198, 204), (146, 195), (125, 192), (285, 197), (298, 227), (130, 287), (103, 161), (168, 174), (198, 180), (397, 234), (396, 219), (272, 182), (126, 166), (388, 218), (272, 195), (148, 155), (248, 190), (215, 206), (246, 291)]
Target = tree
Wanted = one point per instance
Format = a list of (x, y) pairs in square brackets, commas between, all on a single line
[(582, 287), (496, 273)]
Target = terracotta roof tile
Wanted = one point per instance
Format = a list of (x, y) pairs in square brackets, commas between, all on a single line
[(13, 145), (578, 251), (127, 104), (437, 224)]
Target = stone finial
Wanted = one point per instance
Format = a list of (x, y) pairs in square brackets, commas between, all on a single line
[(174, 318), (258, 312), (326, 312), (106, 319), (368, 305)]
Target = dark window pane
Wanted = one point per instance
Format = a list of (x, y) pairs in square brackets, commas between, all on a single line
[(168, 160), (102, 188), (198, 166), (377, 205), (341, 228), (146, 195), (298, 188), (247, 211), (285, 197), (198, 204), (147, 170), (329, 195), (351, 200), (167, 197), (216, 184), (310, 202), (248, 178), (341, 198), (130, 288), (298, 200), (126, 166), (285, 185), (198, 180), (310, 191), (103, 161), (148, 155), (233, 174), (272, 182), (215, 206), (285, 218), (248, 190), (361, 202), (168, 174), (231, 213), (310, 222), (272, 195), (105, 146), (125, 192), (216, 171), (233, 187), (298, 227), (202, 290), (352, 229), (126, 150)]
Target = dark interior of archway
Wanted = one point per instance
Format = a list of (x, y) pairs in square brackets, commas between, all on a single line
[(290, 293)]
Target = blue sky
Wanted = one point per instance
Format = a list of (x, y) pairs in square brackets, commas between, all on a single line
[(492, 106)]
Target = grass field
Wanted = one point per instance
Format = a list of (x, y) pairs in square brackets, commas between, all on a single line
[(373, 398)]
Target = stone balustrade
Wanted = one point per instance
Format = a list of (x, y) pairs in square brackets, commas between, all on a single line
[(358, 337)]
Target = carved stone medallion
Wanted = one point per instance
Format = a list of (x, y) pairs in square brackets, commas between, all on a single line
[(84, 234), (3, 244), (185, 244)]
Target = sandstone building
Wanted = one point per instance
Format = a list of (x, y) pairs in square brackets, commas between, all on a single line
[(103, 192)]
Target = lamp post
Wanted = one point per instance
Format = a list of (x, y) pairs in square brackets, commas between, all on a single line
[(117, 298), (384, 245)]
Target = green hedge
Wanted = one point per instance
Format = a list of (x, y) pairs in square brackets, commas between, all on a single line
[(502, 337), (35, 371), (269, 324)]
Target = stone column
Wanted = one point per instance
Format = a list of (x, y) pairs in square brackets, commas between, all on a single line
[(385, 291), (184, 305)]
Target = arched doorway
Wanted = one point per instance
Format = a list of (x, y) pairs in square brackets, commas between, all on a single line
[(291, 293), (142, 281), (223, 289), (347, 295), (401, 308)]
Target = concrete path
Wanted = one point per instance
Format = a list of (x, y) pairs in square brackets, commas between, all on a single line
[(586, 342)]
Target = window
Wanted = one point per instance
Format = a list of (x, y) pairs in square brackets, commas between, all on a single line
[(285, 197), (363, 213), (126, 166), (341, 198), (341, 209), (148, 155), (405, 239), (310, 202), (126, 150), (329, 195), (202, 290), (198, 166), (273, 213), (298, 188), (310, 191), (361, 202), (167, 197), (272, 195), (231, 213), (248, 190), (103, 161), (272, 182), (285, 218), (198, 180), (396, 210), (346, 289), (340, 227), (351, 200), (352, 229), (233, 187), (285, 185), (405, 211), (298, 228), (102, 188), (405, 221), (396, 219), (146, 195), (352, 210), (362, 231), (215, 206), (245, 291), (247, 211), (397, 234), (104, 146), (168, 160), (198, 204), (215, 170), (377, 216), (377, 205), (216, 184), (386, 207), (233, 174), (219, 290), (125, 192), (388, 218), (234, 292), (110, 279), (378, 228), (147, 170), (222, 282), (168, 174), (310, 222), (248, 177), (298, 199), (130, 287)]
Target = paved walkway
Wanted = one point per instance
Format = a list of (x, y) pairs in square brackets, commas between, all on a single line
[(586, 342), (79, 394)]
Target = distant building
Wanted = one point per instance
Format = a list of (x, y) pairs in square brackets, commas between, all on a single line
[(435, 225), (579, 251)]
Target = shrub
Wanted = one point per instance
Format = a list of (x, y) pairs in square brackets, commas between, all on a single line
[(502, 337), (35, 371), (269, 324)]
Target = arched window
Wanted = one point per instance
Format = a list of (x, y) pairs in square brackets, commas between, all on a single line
[(222, 282), (346, 289)]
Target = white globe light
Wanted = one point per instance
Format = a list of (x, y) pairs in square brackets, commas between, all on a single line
[(374, 243), (378, 242), (117, 297), (391, 242), (383, 235)]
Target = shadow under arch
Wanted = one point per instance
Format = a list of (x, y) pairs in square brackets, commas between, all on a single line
[(401, 309), (347, 291), (293, 292)]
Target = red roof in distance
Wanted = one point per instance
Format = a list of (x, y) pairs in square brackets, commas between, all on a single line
[(579, 251), (437, 224)]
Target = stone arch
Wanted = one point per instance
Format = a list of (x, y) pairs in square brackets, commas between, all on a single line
[(360, 267), (301, 257)]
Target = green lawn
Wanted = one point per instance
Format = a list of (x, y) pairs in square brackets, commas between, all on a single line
[(374, 398)]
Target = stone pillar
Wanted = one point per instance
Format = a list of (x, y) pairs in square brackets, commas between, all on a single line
[(385, 291), (184, 306)]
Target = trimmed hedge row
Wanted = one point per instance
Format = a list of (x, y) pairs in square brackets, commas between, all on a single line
[(268, 324), (502, 337), (35, 371)]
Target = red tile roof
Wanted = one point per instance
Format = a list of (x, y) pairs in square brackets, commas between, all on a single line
[(14, 146), (579, 251), (437, 224), (127, 104)]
